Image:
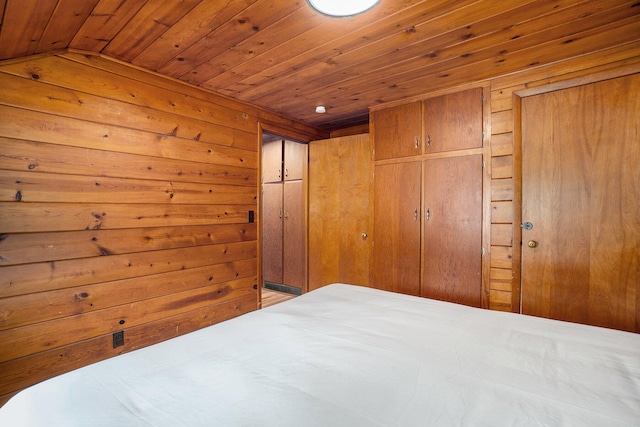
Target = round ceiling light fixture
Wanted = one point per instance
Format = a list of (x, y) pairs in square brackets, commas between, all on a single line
[(342, 8), (320, 109)]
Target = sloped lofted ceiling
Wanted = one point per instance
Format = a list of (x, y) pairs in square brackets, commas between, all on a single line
[(283, 56)]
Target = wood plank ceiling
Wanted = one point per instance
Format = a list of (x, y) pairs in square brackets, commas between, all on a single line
[(283, 56)]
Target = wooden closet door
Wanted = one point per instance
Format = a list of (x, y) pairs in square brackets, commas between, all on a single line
[(397, 131), (453, 121), (272, 161), (324, 213), (396, 246), (581, 193), (340, 185), (295, 159), (452, 255), (295, 256), (272, 232)]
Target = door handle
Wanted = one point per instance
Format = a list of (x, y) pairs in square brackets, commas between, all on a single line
[(532, 243)]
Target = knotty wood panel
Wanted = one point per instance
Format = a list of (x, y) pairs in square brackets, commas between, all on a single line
[(22, 155), (20, 373), (31, 248), (21, 280), (124, 200)]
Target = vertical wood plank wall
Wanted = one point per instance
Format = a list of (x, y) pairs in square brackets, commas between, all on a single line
[(124, 200), (504, 279)]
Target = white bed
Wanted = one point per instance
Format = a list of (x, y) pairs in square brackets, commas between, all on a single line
[(352, 356)]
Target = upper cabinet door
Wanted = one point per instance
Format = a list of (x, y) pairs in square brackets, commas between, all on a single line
[(295, 159), (453, 122), (272, 161), (397, 131)]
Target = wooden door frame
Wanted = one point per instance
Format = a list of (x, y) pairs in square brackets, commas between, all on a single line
[(518, 96), (293, 135)]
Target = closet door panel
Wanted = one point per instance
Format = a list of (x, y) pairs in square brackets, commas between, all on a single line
[(396, 246), (454, 121), (453, 229), (294, 268), (355, 176), (340, 185), (295, 158), (272, 161), (397, 131), (272, 232), (324, 213)]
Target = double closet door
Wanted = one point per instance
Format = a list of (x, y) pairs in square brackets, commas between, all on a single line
[(283, 233), (428, 198)]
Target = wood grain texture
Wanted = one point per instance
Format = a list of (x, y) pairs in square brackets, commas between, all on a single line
[(124, 200), (272, 232), (452, 229), (580, 175), (397, 131), (396, 248), (340, 197), (325, 203), (294, 269), (453, 122), (277, 55)]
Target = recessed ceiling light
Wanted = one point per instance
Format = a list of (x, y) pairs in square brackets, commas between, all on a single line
[(320, 109), (342, 7)]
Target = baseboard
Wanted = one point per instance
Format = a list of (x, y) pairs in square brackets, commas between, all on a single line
[(282, 288)]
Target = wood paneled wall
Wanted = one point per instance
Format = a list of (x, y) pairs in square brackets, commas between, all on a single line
[(124, 200), (504, 282)]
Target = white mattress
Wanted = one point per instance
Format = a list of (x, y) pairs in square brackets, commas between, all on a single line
[(352, 356)]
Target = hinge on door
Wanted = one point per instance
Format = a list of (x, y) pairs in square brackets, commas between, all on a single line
[(483, 135), (484, 165), (482, 97), (482, 251)]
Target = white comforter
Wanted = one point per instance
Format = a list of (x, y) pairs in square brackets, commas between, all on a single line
[(352, 356)]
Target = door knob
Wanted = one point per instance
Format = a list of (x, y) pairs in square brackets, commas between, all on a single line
[(532, 243), (364, 236)]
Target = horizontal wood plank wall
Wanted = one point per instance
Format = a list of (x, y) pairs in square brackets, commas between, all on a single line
[(124, 200), (504, 283)]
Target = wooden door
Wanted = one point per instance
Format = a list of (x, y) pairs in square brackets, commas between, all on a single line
[(272, 161), (324, 213), (356, 182), (581, 193), (452, 257), (397, 131), (340, 184), (453, 121), (295, 159), (295, 255), (396, 246), (272, 232)]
